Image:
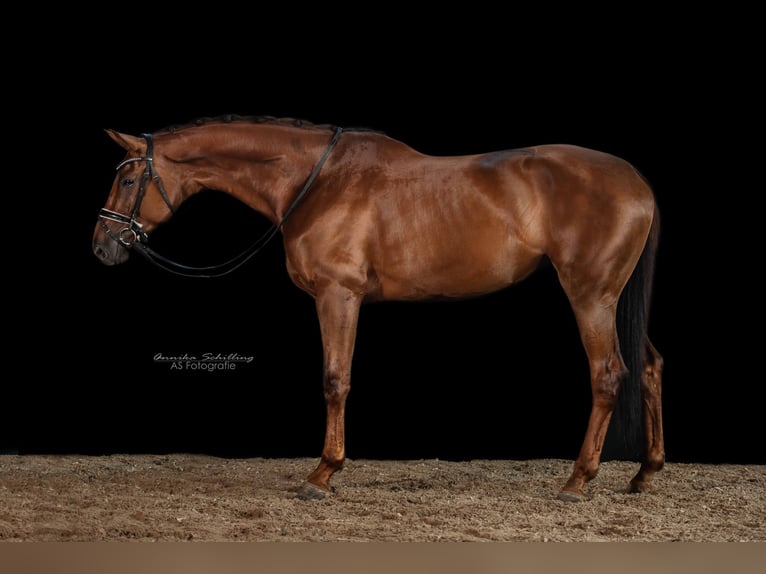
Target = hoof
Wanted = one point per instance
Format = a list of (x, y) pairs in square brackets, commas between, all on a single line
[(309, 491), (639, 487), (572, 496)]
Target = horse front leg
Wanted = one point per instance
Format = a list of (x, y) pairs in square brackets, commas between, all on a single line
[(338, 311)]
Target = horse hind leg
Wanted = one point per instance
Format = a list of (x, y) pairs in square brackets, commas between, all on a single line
[(651, 396), (598, 332)]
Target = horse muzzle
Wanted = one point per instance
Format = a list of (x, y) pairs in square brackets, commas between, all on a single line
[(110, 253)]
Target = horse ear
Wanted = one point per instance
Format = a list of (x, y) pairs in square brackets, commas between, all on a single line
[(128, 143)]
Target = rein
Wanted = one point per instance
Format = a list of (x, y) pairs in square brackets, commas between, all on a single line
[(134, 236)]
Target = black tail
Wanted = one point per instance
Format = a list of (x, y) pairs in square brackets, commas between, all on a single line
[(624, 440)]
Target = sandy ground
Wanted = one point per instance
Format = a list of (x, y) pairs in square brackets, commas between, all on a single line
[(202, 498)]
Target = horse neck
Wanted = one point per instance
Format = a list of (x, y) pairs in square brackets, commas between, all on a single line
[(263, 166)]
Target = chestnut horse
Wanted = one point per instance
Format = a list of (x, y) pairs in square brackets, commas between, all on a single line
[(367, 218)]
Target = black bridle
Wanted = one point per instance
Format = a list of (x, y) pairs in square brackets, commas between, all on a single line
[(133, 234), (134, 231)]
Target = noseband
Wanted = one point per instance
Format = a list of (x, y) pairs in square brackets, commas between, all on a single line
[(134, 231), (133, 235)]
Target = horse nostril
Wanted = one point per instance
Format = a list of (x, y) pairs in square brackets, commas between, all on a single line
[(99, 251)]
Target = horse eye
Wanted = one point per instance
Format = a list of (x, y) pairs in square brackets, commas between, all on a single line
[(128, 182)]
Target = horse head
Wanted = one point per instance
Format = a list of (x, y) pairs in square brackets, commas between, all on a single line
[(139, 200)]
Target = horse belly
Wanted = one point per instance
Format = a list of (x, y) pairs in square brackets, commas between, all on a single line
[(454, 268)]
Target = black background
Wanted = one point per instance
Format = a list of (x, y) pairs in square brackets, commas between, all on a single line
[(503, 376)]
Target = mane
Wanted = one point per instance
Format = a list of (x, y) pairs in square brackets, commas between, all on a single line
[(233, 118)]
